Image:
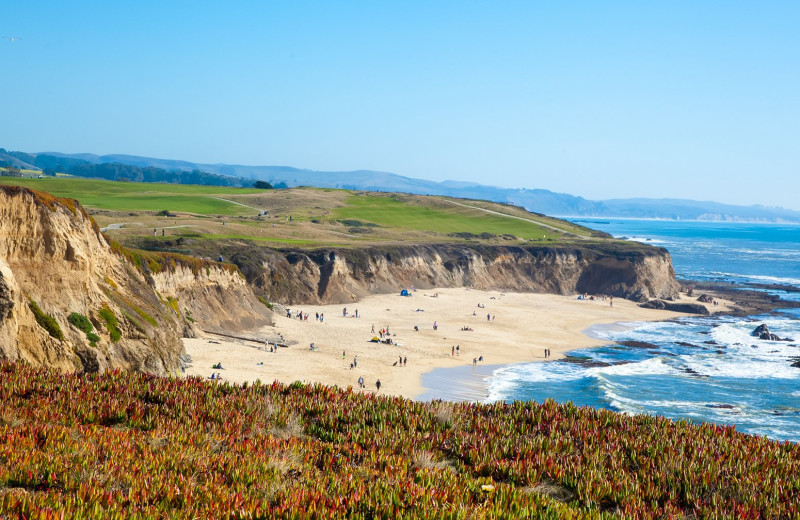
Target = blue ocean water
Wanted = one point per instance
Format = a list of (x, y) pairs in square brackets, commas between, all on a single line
[(703, 368)]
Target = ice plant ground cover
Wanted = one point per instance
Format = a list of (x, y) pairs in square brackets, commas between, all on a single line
[(129, 445)]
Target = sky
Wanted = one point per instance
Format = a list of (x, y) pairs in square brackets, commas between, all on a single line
[(697, 100)]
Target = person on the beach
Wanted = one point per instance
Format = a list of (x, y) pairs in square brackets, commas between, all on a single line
[(488, 317), (343, 354), (355, 361), (453, 350), (458, 350), (356, 313), (435, 325), (378, 385), (474, 361), (405, 360), (401, 360), (361, 381), (480, 359), (373, 328), (344, 312)]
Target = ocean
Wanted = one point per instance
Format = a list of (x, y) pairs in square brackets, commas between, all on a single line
[(703, 369)]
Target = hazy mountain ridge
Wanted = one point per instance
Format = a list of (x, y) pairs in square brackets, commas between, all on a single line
[(536, 200)]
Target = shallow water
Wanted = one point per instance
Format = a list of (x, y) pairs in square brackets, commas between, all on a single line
[(701, 369)]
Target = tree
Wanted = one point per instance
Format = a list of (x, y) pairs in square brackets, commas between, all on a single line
[(262, 185)]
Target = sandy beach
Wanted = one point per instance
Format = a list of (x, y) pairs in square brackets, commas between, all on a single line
[(503, 328)]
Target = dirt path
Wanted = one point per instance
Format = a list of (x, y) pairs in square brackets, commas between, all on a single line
[(237, 203), (542, 224)]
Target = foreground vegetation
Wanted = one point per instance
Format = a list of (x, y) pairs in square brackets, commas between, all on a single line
[(125, 445)]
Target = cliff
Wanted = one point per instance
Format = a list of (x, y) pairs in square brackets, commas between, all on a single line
[(342, 275), (71, 300), (216, 298)]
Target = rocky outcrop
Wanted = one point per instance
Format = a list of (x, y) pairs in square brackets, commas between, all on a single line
[(342, 275), (688, 308), (59, 274), (762, 332)]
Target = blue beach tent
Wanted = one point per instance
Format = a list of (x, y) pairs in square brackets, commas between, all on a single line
[(404, 292)]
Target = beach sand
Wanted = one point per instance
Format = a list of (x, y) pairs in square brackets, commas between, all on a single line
[(520, 326)]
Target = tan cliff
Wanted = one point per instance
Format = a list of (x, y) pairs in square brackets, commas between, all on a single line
[(334, 276), (55, 262), (214, 298)]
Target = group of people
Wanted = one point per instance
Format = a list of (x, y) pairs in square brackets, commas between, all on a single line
[(216, 375), (344, 313), (361, 383), (547, 353), (475, 360)]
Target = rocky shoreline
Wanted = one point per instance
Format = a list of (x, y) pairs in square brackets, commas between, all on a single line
[(749, 299)]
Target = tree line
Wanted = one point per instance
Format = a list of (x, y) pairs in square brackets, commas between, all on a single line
[(52, 164)]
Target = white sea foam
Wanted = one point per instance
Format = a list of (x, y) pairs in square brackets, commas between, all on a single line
[(761, 278), (648, 367)]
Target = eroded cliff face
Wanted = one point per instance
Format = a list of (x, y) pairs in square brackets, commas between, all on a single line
[(54, 260), (53, 255), (214, 299), (335, 276)]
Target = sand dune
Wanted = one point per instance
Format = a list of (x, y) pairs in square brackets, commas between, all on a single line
[(518, 329)]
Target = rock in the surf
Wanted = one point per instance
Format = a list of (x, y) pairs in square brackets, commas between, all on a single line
[(762, 332)]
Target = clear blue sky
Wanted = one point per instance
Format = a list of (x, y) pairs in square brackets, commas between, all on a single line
[(692, 99)]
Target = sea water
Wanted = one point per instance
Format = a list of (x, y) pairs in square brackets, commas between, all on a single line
[(698, 368)]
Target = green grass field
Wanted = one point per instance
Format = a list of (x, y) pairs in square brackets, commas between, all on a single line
[(320, 217), (131, 196), (392, 212)]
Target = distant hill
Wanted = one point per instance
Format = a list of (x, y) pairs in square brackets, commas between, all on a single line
[(535, 200)]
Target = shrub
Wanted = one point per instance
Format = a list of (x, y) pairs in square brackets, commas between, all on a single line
[(46, 321), (111, 323), (82, 323)]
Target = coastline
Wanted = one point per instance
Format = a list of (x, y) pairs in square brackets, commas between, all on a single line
[(518, 329)]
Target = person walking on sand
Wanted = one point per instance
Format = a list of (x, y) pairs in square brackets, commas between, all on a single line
[(474, 361), (344, 354), (405, 360), (373, 328), (458, 350), (453, 350), (355, 361), (361, 381), (435, 325), (488, 317), (378, 385)]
